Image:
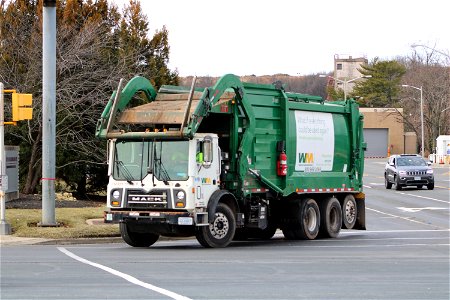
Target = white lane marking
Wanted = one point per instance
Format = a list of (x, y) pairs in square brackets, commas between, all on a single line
[(371, 246), (395, 216), (367, 186), (418, 209), (423, 197), (393, 231), (124, 276)]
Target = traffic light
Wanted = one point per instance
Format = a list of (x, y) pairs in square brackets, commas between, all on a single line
[(22, 107)]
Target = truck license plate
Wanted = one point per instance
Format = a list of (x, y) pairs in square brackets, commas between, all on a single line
[(185, 221), (417, 178)]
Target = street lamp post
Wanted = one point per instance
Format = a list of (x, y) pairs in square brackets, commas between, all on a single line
[(421, 111), (346, 82)]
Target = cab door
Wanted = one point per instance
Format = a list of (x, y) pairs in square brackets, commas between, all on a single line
[(207, 173)]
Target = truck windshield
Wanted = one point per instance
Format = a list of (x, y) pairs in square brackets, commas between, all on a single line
[(166, 160)]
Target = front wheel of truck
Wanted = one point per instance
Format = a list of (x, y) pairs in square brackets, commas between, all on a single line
[(221, 231), (137, 239)]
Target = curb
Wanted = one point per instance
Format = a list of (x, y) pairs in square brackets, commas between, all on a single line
[(19, 241)]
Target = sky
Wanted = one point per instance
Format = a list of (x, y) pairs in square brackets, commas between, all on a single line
[(295, 37)]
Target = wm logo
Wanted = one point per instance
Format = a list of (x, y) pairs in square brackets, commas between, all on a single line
[(306, 158)]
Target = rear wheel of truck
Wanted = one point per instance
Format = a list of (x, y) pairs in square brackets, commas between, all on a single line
[(330, 218), (221, 231), (137, 239), (349, 212), (308, 221)]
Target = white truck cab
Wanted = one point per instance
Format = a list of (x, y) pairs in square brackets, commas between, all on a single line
[(162, 177)]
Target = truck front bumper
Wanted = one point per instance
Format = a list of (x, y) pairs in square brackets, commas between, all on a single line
[(150, 217)]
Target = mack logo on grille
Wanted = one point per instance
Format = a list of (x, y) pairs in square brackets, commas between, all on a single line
[(146, 199)]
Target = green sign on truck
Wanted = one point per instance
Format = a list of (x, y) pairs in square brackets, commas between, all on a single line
[(233, 161)]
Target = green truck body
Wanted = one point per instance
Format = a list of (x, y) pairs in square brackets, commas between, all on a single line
[(257, 159)]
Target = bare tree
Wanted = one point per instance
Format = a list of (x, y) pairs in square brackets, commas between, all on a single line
[(431, 72), (92, 56)]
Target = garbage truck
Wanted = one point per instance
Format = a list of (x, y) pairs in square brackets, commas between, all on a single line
[(234, 161)]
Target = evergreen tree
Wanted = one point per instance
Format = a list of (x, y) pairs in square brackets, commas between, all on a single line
[(382, 89)]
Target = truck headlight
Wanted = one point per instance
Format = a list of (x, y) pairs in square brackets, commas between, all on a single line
[(181, 199), (116, 198), (181, 195), (116, 195), (402, 173)]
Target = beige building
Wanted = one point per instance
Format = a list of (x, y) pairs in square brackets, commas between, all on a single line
[(384, 132), (346, 72)]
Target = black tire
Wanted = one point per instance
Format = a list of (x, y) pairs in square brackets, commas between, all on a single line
[(387, 183), (137, 239), (308, 221), (430, 186), (398, 186), (349, 212), (330, 218), (221, 231)]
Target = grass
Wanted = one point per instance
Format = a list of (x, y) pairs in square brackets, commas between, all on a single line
[(72, 223)]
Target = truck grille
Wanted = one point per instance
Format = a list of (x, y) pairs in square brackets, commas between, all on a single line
[(414, 173), (154, 199)]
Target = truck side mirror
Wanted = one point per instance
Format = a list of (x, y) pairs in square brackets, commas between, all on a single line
[(204, 154), (207, 151)]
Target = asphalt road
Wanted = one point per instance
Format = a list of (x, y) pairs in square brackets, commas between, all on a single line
[(404, 254)]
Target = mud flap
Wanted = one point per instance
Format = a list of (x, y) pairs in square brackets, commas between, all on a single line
[(361, 208)]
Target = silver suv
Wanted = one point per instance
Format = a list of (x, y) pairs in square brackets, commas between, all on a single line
[(408, 170)]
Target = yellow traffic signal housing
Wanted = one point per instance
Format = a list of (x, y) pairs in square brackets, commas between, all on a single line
[(22, 107)]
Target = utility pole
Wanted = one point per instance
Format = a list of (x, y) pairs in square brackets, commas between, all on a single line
[(48, 113), (5, 228)]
